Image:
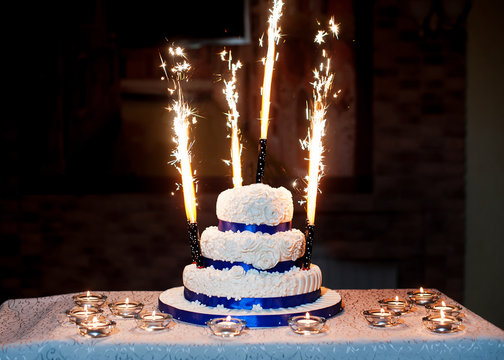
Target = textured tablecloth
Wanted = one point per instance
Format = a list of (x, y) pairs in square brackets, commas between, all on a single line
[(38, 329)]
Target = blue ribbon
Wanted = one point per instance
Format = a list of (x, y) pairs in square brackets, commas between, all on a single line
[(281, 267), (248, 303), (253, 321), (266, 229)]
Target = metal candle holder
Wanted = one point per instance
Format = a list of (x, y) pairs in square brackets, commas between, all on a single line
[(90, 299), (194, 241), (261, 160), (309, 235), (78, 314), (448, 309), (307, 324), (97, 327), (381, 317), (423, 296), (154, 321), (226, 327), (442, 324), (397, 305), (125, 308)]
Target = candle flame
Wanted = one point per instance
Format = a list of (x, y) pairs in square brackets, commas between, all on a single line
[(88, 293), (127, 301), (183, 117), (232, 117), (443, 303), (153, 313), (421, 289), (95, 320), (442, 314), (323, 79), (273, 37), (228, 318), (382, 311)]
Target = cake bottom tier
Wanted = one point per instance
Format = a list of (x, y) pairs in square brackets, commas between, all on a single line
[(172, 302), (236, 283)]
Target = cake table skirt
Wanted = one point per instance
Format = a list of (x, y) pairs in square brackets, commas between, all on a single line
[(172, 302)]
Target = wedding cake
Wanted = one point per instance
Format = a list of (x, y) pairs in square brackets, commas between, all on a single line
[(252, 259)]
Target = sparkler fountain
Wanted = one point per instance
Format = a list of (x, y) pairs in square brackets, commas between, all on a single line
[(323, 79), (273, 36), (232, 116), (183, 116)]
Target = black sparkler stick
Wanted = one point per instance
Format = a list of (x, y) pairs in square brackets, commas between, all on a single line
[(309, 235), (194, 242), (261, 160)]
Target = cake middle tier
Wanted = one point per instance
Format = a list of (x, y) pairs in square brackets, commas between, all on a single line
[(262, 251), (238, 283)]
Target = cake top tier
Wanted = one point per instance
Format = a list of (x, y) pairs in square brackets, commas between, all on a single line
[(255, 204)]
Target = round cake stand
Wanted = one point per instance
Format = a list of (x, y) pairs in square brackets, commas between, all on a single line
[(172, 302)]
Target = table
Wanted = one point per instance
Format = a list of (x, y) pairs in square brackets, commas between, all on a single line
[(38, 329)]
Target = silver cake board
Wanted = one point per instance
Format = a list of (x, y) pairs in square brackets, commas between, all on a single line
[(172, 302)]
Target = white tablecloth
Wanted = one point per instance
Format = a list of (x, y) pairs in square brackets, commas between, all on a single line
[(38, 329)]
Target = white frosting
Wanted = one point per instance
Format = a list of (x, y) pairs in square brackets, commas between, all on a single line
[(236, 283), (255, 204), (263, 251)]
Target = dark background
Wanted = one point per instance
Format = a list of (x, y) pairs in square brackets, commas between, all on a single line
[(87, 195)]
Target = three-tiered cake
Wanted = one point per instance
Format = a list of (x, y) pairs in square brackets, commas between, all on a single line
[(253, 254), (252, 265)]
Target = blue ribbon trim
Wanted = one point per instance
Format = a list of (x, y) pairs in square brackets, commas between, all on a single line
[(281, 267), (248, 303), (266, 229), (253, 321)]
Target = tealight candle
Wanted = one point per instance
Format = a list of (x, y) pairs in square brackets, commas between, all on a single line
[(396, 305), (96, 327), (78, 314), (307, 324), (90, 299), (226, 327), (153, 321), (381, 317), (423, 297), (448, 309), (126, 308), (442, 323)]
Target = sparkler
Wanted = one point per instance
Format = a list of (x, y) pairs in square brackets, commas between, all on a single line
[(323, 79), (183, 116), (269, 60), (233, 115)]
